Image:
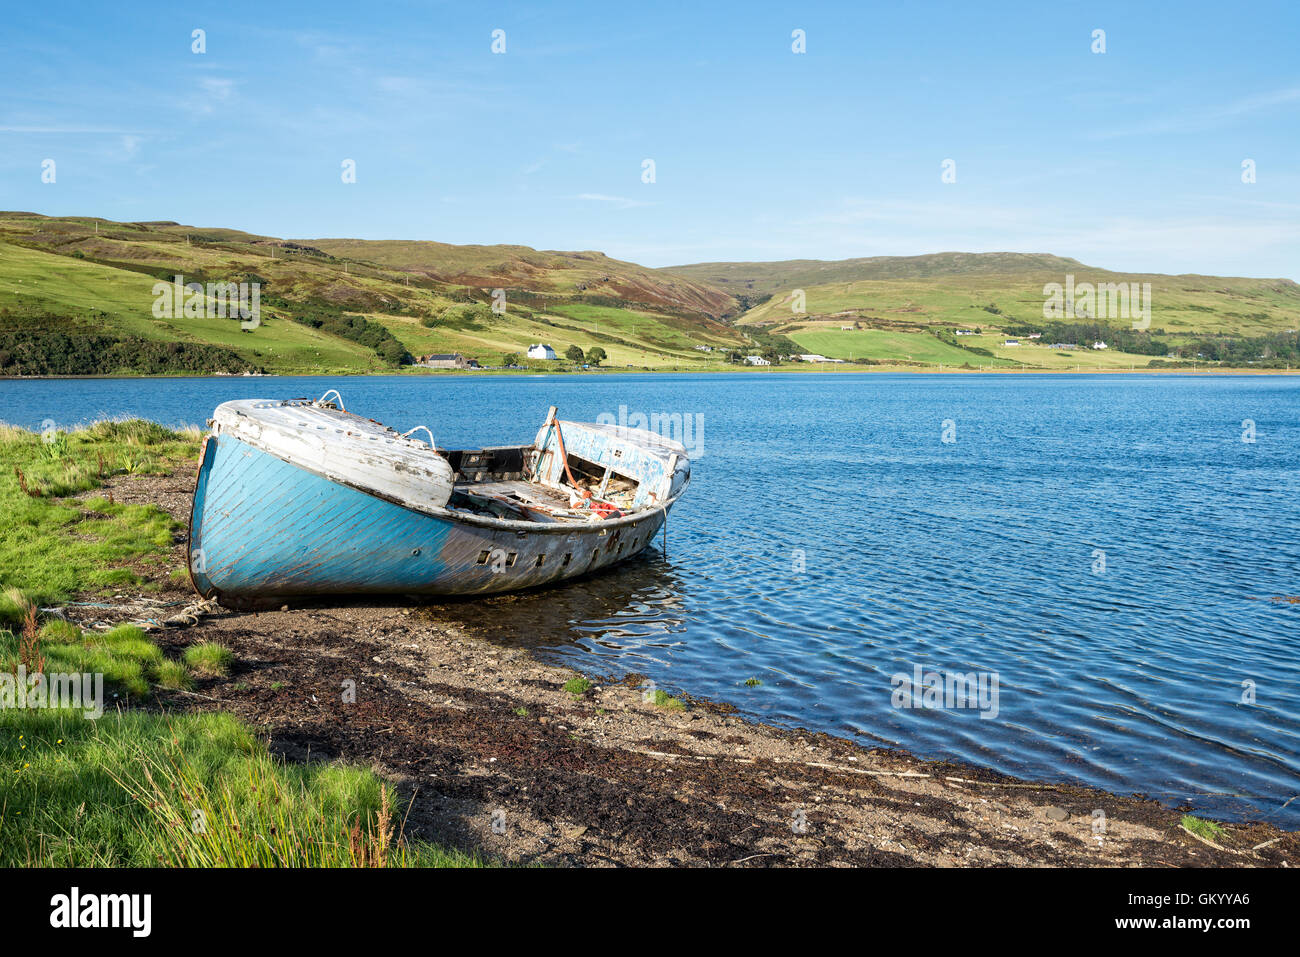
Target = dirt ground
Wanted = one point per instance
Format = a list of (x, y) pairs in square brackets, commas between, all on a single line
[(497, 758)]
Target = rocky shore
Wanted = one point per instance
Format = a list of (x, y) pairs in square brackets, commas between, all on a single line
[(524, 761)]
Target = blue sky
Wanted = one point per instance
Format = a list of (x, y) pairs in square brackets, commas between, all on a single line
[(1130, 160)]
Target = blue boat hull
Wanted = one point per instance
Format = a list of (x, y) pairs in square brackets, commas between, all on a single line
[(262, 528)]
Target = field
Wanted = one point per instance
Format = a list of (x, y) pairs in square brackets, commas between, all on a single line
[(992, 289), (81, 277), (883, 345), (894, 305), (95, 275), (1179, 304)]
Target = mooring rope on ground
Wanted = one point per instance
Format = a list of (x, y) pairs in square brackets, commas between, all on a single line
[(136, 612)]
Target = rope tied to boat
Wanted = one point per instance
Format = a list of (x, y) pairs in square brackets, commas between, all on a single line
[(554, 423), (187, 617)]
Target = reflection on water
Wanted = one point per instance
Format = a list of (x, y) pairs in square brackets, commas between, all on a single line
[(634, 612), (1107, 546)]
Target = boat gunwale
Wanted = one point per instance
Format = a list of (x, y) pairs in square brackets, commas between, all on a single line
[(469, 518)]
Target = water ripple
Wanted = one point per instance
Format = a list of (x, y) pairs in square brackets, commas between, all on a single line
[(1107, 546)]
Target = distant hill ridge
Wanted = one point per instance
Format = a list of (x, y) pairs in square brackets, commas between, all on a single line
[(354, 305), (769, 277)]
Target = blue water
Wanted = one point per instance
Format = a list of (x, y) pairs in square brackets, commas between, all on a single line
[(976, 555)]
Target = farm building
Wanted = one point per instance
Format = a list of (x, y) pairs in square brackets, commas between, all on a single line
[(446, 360)]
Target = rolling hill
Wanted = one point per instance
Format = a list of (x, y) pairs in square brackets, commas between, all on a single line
[(893, 308), (81, 276), (77, 297), (537, 271), (768, 278)]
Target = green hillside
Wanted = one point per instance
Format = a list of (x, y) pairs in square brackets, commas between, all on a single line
[(77, 297), (536, 271), (769, 278), (898, 309), (353, 307)]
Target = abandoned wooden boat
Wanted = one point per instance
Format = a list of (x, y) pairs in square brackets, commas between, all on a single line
[(300, 497)]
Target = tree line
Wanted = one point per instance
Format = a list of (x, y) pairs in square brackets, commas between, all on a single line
[(45, 352)]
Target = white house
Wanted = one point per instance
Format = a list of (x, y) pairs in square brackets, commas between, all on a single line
[(541, 351), (1099, 345), (1011, 342), (756, 361)]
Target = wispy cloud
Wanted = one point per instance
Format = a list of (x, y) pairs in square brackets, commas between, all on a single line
[(1204, 118), (618, 202), (1191, 238), (219, 88), (69, 130)]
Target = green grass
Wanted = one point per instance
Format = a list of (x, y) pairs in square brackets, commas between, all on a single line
[(662, 699), (1083, 358), (208, 659), (579, 686), (137, 789), (56, 546), (173, 676), (646, 318), (40, 272), (1204, 829), (130, 663), (126, 790), (885, 346), (953, 289), (124, 656), (779, 278)]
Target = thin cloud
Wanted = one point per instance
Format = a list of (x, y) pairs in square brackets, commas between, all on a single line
[(69, 130), (1205, 118), (618, 202), (218, 88)]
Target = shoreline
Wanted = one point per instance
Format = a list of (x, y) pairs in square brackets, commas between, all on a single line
[(498, 758), (779, 370)]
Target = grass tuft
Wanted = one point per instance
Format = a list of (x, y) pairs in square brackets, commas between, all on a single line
[(663, 699), (172, 675), (13, 607), (578, 686), (1203, 828), (208, 659)]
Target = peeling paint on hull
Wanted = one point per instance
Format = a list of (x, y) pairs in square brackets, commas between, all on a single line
[(262, 528)]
